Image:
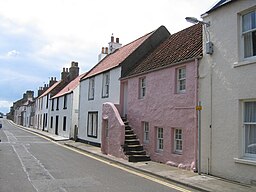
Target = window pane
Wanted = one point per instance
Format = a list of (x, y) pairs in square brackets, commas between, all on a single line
[(250, 112), (250, 139)]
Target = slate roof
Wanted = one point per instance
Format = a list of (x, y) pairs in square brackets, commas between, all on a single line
[(220, 4), (181, 46), (117, 57), (70, 87)]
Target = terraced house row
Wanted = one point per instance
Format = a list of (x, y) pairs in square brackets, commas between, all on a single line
[(186, 99)]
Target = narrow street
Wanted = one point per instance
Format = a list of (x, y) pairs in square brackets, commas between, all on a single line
[(31, 163)]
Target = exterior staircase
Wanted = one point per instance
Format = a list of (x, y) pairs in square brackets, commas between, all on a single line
[(132, 147)]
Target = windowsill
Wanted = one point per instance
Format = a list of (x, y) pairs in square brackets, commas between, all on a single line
[(245, 62), (245, 160)]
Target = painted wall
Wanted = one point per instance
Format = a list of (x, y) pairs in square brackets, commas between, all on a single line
[(61, 112), (163, 107), (226, 80), (41, 109), (96, 104), (113, 131)]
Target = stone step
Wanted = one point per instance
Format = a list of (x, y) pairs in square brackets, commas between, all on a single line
[(138, 158), (135, 152), (132, 142), (131, 136), (133, 148)]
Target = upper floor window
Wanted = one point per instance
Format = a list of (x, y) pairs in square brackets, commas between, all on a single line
[(65, 102), (249, 122), (142, 87), (57, 105), (52, 104), (181, 80), (91, 89), (249, 34), (105, 84)]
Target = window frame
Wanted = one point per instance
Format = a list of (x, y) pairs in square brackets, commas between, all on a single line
[(52, 104), (159, 140), (245, 154), (92, 131), (105, 84), (65, 98), (142, 87), (145, 125), (179, 80), (57, 103), (91, 88), (178, 141), (244, 33)]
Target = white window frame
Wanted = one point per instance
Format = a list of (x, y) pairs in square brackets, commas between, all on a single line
[(146, 131), (92, 124), (105, 84), (160, 139), (142, 87), (178, 141), (181, 79), (245, 32), (246, 154), (91, 88)]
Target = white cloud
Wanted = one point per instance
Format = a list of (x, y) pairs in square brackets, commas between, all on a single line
[(5, 104), (13, 53)]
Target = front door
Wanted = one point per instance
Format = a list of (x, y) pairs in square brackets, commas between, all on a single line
[(125, 92)]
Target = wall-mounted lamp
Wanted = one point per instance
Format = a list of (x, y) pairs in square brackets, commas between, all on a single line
[(209, 44), (195, 21)]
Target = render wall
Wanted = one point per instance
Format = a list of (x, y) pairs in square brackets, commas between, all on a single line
[(61, 113), (95, 105), (163, 107), (226, 80)]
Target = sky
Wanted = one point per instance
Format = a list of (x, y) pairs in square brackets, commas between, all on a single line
[(40, 37)]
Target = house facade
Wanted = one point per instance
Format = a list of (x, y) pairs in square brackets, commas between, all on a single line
[(63, 113), (227, 92), (159, 97), (102, 83)]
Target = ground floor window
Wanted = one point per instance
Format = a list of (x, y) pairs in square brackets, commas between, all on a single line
[(160, 139), (92, 125), (249, 122), (177, 141), (146, 131)]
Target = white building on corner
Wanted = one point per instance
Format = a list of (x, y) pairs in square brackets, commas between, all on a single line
[(228, 92)]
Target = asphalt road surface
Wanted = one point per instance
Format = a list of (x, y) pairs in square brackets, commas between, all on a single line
[(30, 163)]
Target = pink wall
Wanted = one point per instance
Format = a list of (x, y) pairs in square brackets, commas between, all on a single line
[(163, 107), (113, 140)]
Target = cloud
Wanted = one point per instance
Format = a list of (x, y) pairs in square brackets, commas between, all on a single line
[(13, 53), (5, 104)]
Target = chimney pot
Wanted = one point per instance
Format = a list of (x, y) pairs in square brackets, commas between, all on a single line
[(117, 40), (106, 50), (102, 50), (112, 38)]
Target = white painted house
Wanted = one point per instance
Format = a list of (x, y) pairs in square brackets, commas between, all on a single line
[(102, 83), (43, 104), (63, 112), (228, 91)]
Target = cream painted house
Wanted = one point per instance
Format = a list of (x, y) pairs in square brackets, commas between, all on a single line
[(228, 92)]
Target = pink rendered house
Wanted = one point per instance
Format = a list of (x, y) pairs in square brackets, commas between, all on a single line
[(158, 99)]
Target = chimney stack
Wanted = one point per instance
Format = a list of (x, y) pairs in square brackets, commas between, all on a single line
[(64, 73), (52, 81), (73, 71), (114, 45)]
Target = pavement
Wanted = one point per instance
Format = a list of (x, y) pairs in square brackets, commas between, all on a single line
[(187, 178)]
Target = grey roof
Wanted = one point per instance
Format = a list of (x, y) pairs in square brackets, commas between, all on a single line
[(220, 4)]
